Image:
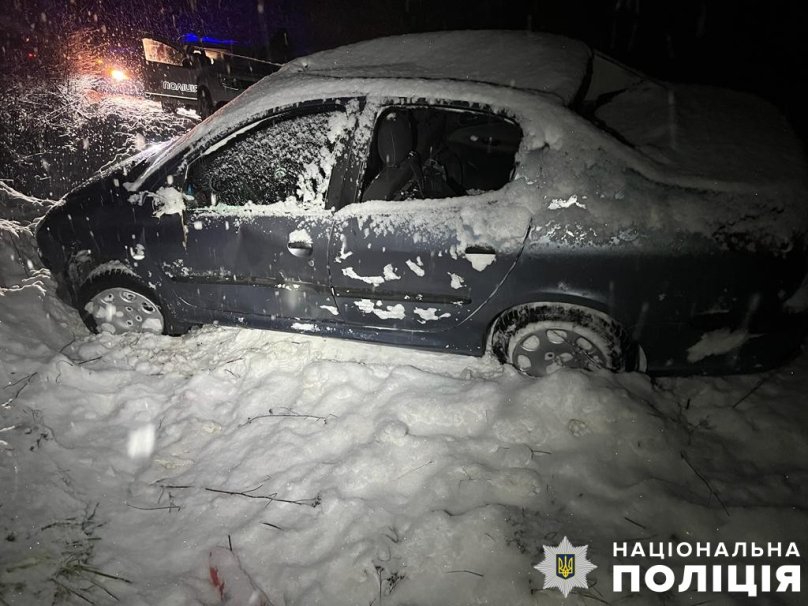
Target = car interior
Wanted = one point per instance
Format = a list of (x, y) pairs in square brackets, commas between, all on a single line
[(439, 152)]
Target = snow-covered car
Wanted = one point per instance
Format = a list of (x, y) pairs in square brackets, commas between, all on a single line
[(463, 192)]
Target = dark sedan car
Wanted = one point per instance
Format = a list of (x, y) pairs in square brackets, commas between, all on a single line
[(461, 191)]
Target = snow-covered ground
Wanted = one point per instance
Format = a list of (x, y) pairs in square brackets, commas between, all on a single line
[(150, 469)]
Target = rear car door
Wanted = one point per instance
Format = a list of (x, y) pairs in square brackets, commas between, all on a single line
[(430, 233), (257, 222)]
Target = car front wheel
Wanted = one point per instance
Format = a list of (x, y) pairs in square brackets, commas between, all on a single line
[(116, 302)]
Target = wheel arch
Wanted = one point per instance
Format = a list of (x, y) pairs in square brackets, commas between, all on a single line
[(544, 298), (83, 263)]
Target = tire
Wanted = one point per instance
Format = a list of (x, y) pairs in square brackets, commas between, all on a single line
[(117, 302), (168, 106), (204, 103), (539, 339)]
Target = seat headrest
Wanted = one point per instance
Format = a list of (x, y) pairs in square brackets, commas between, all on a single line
[(394, 138)]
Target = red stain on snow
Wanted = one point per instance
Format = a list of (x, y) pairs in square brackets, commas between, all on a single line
[(217, 582)]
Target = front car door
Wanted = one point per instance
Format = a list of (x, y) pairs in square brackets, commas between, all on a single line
[(257, 221), (429, 233), (168, 74)]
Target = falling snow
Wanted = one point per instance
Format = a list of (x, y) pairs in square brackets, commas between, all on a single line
[(242, 466)]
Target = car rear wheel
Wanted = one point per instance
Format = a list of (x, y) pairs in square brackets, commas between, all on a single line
[(539, 339), (116, 302)]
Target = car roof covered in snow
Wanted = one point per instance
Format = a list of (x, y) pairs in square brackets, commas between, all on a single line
[(526, 60)]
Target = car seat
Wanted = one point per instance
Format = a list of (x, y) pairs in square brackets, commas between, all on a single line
[(401, 167)]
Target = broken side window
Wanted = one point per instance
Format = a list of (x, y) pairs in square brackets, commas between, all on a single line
[(439, 152)]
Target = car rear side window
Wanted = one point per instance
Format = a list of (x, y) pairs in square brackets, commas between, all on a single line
[(283, 160), (439, 152)]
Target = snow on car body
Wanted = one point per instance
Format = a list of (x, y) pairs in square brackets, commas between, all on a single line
[(420, 191)]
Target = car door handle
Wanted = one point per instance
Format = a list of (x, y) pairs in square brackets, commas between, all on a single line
[(481, 249), (299, 249)]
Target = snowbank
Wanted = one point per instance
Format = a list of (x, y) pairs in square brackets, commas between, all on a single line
[(18, 254), (16, 206)]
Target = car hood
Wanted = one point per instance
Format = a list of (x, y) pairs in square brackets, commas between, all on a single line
[(706, 132), (126, 171)]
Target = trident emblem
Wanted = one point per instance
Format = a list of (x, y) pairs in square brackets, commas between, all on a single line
[(565, 565)]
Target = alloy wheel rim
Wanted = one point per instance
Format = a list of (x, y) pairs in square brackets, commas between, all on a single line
[(545, 349), (119, 310)]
